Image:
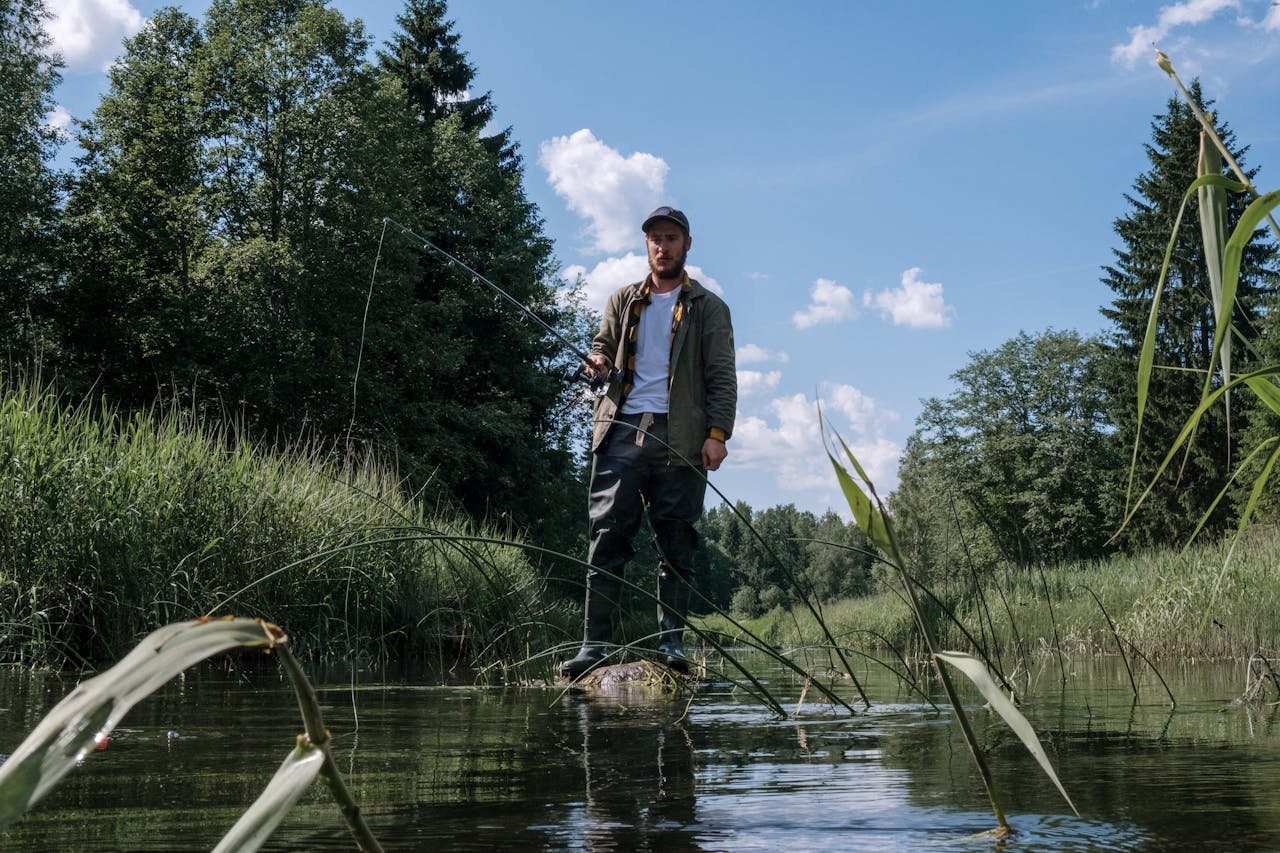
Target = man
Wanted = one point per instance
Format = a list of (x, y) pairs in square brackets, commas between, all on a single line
[(661, 424)]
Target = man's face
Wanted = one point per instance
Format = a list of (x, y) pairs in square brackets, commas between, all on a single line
[(668, 246)]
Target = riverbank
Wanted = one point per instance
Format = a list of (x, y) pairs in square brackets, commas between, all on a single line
[(112, 525), (1157, 602)]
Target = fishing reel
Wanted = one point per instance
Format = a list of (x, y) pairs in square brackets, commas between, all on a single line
[(596, 383)]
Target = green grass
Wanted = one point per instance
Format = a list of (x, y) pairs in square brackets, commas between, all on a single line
[(112, 525), (1157, 601)]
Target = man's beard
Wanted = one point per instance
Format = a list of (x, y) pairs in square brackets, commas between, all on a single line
[(676, 273)]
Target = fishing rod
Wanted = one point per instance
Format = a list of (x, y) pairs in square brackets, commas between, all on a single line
[(572, 374)]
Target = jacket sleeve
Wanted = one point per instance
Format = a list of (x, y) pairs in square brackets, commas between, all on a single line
[(720, 372), (607, 339)]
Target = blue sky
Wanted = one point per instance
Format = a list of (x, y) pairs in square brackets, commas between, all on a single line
[(878, 190)]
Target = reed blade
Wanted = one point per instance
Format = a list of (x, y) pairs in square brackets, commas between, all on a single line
[(95, 707), (977, 673), (291, 781), (1213, 231)]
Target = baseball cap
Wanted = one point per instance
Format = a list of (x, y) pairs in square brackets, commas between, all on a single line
[(670, 213)]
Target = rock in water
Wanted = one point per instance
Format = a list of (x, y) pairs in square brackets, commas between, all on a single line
[(633, 675)]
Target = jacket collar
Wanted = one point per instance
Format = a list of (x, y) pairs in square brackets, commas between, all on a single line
[(688, 287)]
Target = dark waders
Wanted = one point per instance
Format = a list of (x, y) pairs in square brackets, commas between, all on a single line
[(629, 474)]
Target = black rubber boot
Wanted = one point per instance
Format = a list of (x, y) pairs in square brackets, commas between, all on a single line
[(597, 634), (673, 604)]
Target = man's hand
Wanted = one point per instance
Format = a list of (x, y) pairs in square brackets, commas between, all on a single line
[(599, 365), (713, 453)]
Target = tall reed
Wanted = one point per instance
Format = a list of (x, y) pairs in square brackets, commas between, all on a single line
[(111, 524), (1223, 257)]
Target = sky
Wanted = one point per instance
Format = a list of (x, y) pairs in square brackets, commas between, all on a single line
[(878, 190)]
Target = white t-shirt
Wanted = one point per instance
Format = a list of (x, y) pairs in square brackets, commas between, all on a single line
[(651, 383)]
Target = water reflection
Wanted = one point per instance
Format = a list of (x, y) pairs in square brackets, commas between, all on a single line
[(638, 778), (472, 768)]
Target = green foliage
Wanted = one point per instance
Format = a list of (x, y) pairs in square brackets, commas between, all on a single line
[(111, 524), (1183, 340), (222, 231), (89, 713), (820, 558), (1017, 464), (29, 72)]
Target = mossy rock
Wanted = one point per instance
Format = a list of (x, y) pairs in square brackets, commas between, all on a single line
[(640, 674)]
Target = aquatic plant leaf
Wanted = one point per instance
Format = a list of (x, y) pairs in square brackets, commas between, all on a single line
[(292, 779), (977, 673), (1213, 231), (1267, 392), (865, 514), (96, 706), (1146, 353)]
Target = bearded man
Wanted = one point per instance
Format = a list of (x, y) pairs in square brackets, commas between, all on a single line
[(660, 425)]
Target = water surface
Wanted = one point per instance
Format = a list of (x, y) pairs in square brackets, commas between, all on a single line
[(483, 768)]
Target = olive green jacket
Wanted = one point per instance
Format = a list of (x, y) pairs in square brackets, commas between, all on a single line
[(703, 389)]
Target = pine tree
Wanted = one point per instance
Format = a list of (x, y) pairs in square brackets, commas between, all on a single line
[(1185, 332), (484, 408), (29, 72)]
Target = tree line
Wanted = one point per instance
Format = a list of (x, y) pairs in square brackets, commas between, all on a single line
[(1028, 460), (219, 245)]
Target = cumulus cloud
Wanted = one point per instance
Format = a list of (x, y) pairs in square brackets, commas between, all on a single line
[(753, 383), (58, 118), (607, 276), (88, 33), (1271, 22), (1187, 13), (755, 354), (915, 303), (612, 192), (828, 303), (787, 443)]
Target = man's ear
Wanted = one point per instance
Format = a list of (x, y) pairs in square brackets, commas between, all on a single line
[(688, 241)]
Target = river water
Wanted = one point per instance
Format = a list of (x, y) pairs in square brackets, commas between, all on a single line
[(463, 767)]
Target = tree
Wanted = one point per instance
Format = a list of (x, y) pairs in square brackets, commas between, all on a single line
[(1015, 463), (838, 561), (226, 221), (1185, 333), (485, 406), (135, 223), (29, 72)]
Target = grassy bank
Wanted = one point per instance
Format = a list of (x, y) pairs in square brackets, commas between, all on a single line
[(111, 526), (1156, 600)]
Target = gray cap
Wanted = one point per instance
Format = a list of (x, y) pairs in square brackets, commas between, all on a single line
[(669, 213)]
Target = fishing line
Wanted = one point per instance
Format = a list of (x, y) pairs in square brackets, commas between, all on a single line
[(579, 374), (364, 324)]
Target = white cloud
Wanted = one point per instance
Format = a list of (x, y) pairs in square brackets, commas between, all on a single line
[(612, 192), (828, 303), (58, 118), (1187, 13), (916, 303), (753, 383), (755, 354), (607, 276), (787, 442), (1271, 22), (88, 33)]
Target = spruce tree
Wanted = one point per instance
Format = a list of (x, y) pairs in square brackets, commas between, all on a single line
[(484, 412), (1185, 335)]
